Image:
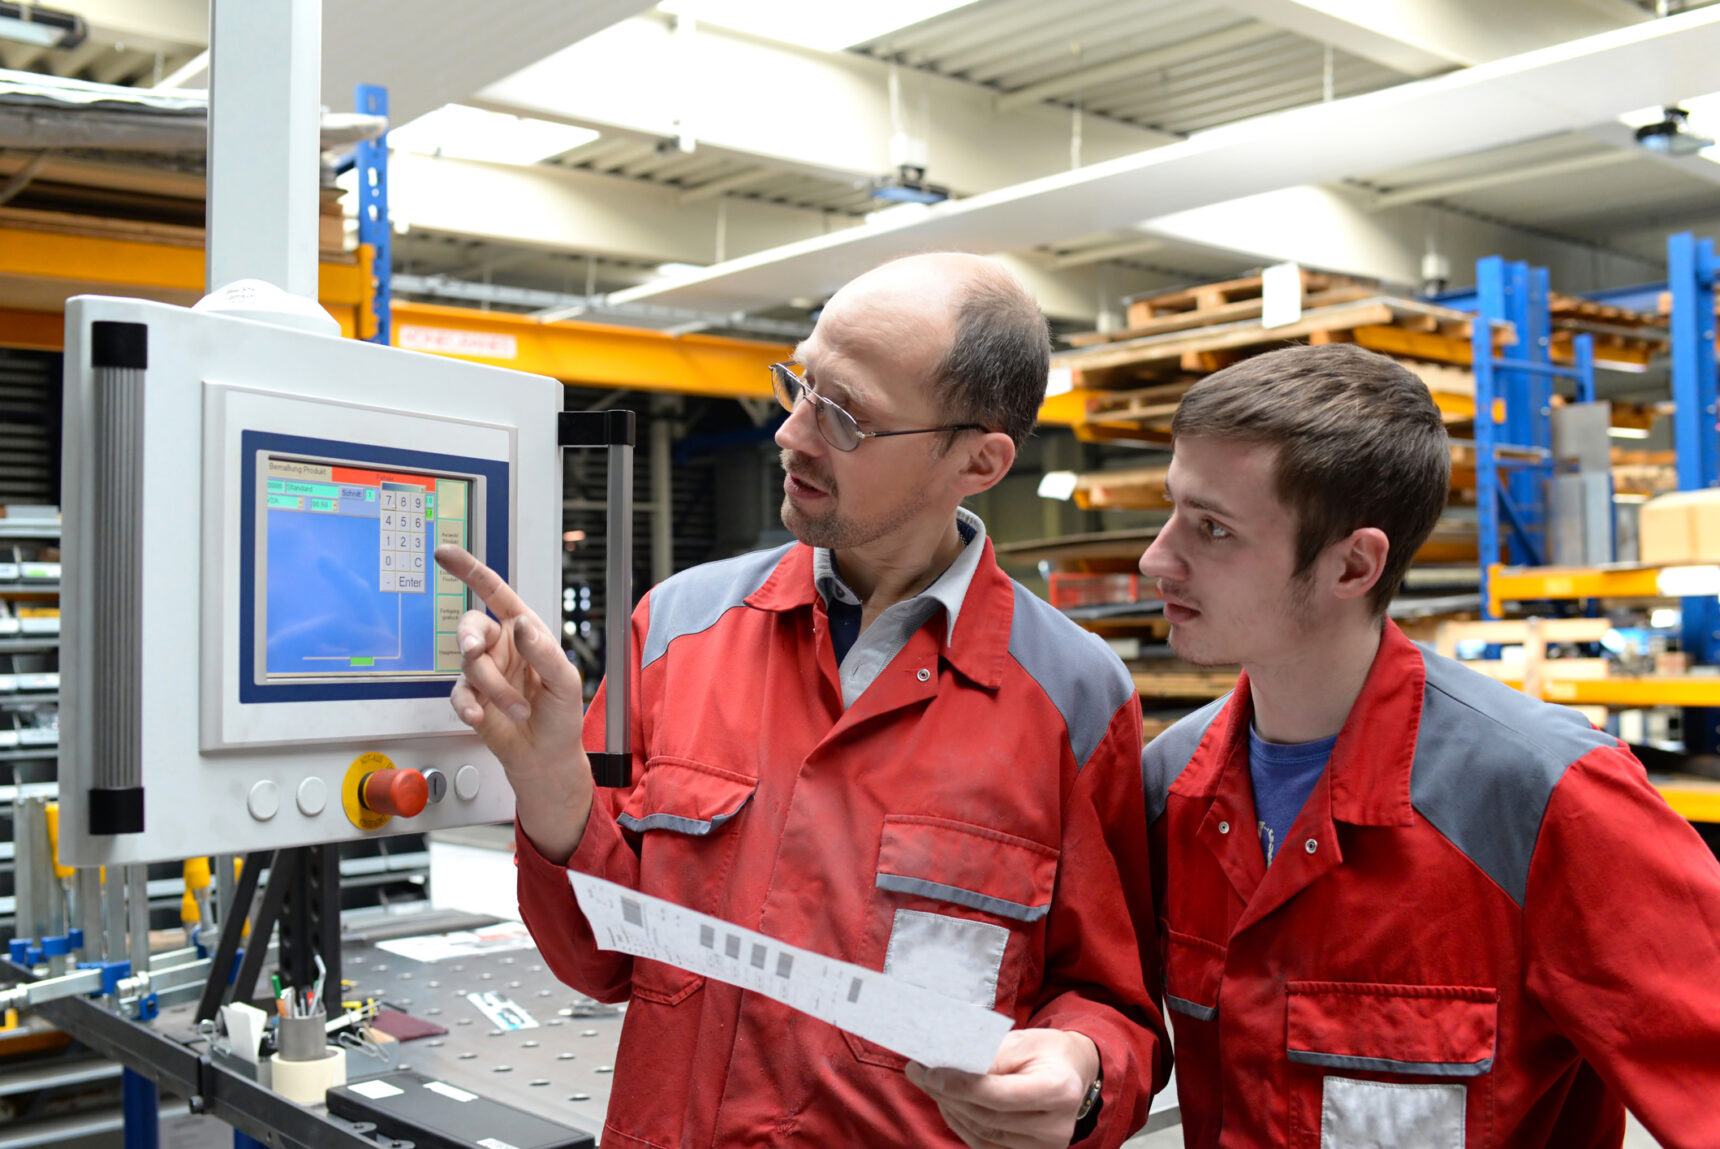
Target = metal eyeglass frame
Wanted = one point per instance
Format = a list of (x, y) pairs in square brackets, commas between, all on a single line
[(790, 386)]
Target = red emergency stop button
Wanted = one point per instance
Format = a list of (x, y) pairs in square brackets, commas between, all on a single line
[(402, 793)]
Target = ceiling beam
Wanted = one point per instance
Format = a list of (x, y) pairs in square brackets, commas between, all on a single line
[(1441, 189), (434, 52), (1089, 78), (823, 114), (547, 208), (1099, 253), (1425, 37), (1563, 88)]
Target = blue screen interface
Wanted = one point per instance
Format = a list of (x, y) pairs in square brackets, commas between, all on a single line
[(350, 589)]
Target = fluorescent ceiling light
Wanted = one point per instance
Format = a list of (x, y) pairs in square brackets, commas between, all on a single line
[(672, 268), (824, 25), (463, 133)]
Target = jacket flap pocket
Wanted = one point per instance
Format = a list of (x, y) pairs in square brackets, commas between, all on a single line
[(1426, 1030), (967, 865), (685, 797), (1193, 969)]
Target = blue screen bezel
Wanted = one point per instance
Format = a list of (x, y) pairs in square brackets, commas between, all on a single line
[(251, 443)]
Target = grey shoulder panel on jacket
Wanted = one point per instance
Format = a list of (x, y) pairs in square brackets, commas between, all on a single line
[(1081, 675), (1165, 757), (1487, 758), (693, 600)]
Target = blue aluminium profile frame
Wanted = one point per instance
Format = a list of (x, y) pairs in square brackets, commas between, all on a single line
[(371, 158), (140, 1106), (1518, 294), (495, 474), (1691, 273)]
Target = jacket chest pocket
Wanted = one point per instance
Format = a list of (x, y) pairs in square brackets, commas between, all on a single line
[(682, 812), (958, 909), (1194, 973), (1391, 1065)]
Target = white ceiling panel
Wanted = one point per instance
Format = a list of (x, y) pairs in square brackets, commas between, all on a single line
[(1562, 88)]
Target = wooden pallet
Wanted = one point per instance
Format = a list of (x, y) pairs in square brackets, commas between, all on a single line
[(1182, 681), (1401, 327), (1207, 316), (1214, 296)]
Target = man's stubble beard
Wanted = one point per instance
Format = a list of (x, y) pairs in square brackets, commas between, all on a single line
[(833, 530)]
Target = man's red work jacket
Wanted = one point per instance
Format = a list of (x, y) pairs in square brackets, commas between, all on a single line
[(1485, 928), (972, 822)]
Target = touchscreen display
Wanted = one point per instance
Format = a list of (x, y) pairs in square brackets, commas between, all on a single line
[(348, 588)]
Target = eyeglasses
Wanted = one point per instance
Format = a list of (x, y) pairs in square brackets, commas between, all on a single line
[(836, 425)]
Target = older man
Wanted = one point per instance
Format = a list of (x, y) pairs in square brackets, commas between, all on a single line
[(870, 743)]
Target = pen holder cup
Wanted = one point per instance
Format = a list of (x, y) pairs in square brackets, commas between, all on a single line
[(301, 1038)]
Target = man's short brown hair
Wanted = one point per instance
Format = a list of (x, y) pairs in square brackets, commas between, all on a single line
[(996, 367), (1360, 444)]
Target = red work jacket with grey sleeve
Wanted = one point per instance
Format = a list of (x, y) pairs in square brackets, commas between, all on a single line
[(1485, 928), (972, 823)]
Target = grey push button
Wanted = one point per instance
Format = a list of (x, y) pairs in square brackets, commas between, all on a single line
[(466, 782), (437, 781)]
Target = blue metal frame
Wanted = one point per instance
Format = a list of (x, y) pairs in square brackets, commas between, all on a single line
[(373, 227), (140, 1104), (1512, 492), (1691, 274), (496, 475)]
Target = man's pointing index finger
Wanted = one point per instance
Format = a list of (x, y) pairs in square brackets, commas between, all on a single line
[(484, 582)]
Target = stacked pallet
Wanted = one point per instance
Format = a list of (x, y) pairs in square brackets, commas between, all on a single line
[(1133, 379)]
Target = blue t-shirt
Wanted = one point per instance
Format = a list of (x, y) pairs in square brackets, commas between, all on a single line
[(1283, 776)]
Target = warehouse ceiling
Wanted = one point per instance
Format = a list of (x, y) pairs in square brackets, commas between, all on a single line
[(730, 151)]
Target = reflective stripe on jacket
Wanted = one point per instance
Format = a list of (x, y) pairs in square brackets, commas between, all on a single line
[(1485, 928), (972, 822)]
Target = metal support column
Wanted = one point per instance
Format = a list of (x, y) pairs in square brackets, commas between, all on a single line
[(265, 113), (1691, 272), (1490, 303), (371, 162), (1523, 440), (140, 1103)]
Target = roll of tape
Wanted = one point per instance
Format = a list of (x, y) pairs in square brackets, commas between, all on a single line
[(305, 1082)]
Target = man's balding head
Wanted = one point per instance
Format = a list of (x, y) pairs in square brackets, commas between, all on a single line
[(987, 347)]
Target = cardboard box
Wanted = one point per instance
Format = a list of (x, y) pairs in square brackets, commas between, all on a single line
[(1682, 527)]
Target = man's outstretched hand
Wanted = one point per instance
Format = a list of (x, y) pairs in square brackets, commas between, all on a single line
[(526, 701)]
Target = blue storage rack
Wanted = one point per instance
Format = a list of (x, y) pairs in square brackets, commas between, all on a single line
[(1510, 491)]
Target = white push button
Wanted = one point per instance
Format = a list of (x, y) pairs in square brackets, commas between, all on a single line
[(264, 800), (466, 780), (313, 797)]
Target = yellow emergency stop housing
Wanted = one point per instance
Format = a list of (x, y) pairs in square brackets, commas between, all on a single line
[(363, 766)]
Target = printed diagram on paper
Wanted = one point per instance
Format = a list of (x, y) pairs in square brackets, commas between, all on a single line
[(917, 1023)]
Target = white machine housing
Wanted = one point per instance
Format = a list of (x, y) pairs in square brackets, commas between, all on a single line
[(230, 760)]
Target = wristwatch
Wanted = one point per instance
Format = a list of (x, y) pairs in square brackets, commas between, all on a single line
[(1093, 1092)]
